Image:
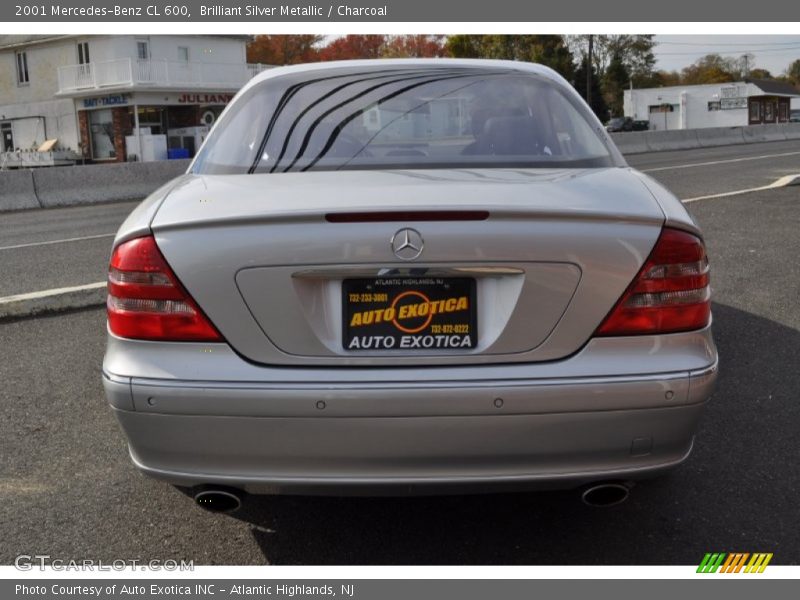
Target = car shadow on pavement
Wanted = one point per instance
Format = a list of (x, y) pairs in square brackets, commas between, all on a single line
[(737, 491)]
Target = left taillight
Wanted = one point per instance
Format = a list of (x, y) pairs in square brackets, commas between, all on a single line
[(147, 302)]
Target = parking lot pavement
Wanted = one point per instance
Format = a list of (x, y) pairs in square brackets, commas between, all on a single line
[(65, 484), (68, 489), (673, 158), (29, 262), (705, 171)]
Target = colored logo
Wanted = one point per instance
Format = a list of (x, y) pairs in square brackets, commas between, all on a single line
[(734, 562)]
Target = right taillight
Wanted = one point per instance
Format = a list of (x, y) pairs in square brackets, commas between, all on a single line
[(147, 302), (670, 293)]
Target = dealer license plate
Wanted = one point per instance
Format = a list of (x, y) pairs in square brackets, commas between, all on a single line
[(409, 313)]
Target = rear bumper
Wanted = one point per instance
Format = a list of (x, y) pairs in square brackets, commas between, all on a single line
[(373, 437), (385, 455)]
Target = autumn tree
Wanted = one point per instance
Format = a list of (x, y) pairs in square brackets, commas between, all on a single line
[(283, 49), (712, 68), (414, 46), (665, 79), (354, 47)]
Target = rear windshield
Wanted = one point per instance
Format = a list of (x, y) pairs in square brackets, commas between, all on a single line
[(402, 118)]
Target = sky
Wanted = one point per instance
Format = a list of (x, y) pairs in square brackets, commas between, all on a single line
[(772, 52)]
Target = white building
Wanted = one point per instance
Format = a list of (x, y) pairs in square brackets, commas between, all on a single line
[(749, 102), (91, 92)]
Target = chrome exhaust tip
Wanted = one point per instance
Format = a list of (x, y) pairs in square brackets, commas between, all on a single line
[(605, 494), (218, 500)]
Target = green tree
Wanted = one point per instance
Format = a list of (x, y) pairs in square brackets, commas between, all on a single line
[(760, 74), (662, 79), (549, 50), (793, 72), (615, 80), (552, 51), (464, 46), (504, 47), (598, 103), (635, 52)]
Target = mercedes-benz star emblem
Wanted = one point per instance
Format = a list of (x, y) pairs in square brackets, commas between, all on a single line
[(407, 244)]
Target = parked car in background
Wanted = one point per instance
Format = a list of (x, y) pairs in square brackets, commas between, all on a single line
[(392, 276), (641, 125), (618, 124)]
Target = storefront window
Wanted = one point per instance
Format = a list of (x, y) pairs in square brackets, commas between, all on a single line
[(769, 114), (101, 126), (152, 117), (755, 112)]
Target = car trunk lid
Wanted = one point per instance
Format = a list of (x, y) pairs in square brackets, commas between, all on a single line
[(548, 252)]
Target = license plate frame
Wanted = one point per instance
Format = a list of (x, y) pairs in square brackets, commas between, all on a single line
[(428, 314)]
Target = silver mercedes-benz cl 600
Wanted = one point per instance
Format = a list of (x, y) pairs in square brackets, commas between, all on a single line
[(401, 276)]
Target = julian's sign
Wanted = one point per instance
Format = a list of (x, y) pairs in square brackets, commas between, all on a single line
[(194, 98)]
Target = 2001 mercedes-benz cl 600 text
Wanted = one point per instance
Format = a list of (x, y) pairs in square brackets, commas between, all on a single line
[(398, 276)]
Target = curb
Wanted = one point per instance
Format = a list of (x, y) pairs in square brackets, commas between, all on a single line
[(53, 301)]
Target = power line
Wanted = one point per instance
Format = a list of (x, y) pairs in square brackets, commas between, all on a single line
[(738, 44), (732, 51)]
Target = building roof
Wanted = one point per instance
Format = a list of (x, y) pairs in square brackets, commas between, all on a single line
[(766, 87), (774, 88), (15, 41), (12, 41)]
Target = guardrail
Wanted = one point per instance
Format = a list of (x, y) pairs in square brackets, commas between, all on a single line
[(636, 142)]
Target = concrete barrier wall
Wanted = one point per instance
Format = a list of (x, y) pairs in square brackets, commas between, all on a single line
[(16, 190), (89, 184), (636, 142), (720, 136), (86, 184), (792, 131), (680, 139), (764, 133), (633, 142)]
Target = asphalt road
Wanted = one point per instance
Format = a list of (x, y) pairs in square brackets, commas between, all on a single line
[(706, 171), (68, 489), (29, 263)]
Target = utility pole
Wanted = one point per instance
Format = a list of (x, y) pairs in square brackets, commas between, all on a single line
[(633, 104), (589, 71)]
